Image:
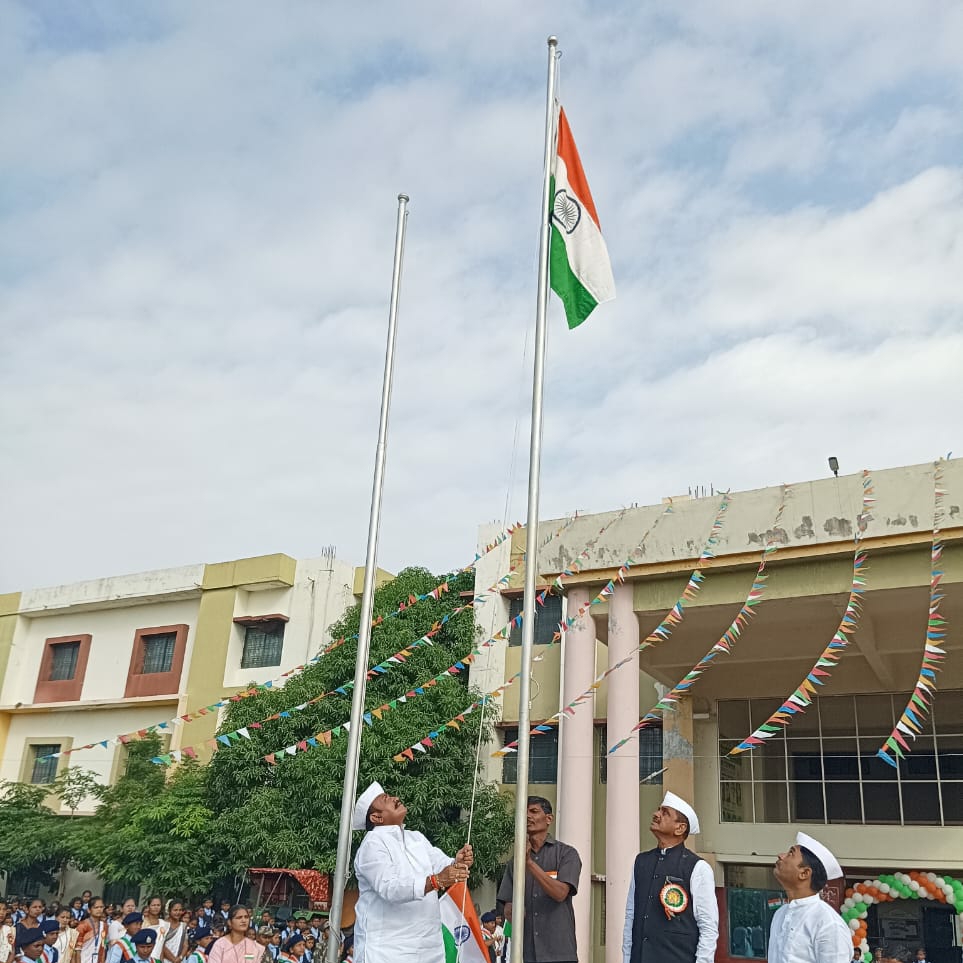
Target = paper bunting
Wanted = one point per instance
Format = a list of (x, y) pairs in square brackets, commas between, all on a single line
[(728, 639), (918, 707), (802, 698), (662, 632), (434, 594)]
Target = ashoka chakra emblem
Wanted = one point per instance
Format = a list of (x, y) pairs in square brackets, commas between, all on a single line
[(567, 211)]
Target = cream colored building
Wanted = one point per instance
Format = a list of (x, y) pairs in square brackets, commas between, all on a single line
[(821, 774), (86, 662)]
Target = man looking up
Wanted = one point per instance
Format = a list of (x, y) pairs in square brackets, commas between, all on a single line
[(671, 914), (807, 929), (399, 876), (552, 871)]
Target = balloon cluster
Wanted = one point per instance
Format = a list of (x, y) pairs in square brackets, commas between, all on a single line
[(885, 888)]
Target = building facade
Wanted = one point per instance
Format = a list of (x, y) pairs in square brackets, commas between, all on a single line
[(821, 773), (88, 662)]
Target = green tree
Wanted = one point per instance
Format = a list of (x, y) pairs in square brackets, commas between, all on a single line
[(72, 787), (152, 831), (33, 839), (287, 815)]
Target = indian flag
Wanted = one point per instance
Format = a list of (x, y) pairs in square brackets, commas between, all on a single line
[(464, 942), (579, 267)]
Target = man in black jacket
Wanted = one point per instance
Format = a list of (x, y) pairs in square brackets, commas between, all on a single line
[(671, 915)]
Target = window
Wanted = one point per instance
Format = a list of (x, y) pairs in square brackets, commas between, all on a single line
[(158, 652), (262, 645), (63, 664), (750, 915), (824, 768), (547, 617), (542, 758), (156, 661), (650, 754), (44, 770)]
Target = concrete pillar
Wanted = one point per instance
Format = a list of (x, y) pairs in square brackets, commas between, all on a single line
[(622, 786), (679, 776), (577, 761)]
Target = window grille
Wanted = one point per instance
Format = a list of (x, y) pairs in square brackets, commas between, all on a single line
[(44, 770), (263, 645), (547, 617), (63, 663), (542, 758), (158, 652)]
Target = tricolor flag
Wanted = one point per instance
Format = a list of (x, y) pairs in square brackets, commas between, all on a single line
[(579, 267), (464, 942)]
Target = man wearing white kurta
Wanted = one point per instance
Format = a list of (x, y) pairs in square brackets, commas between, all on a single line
[(400, 875), (807, 929)]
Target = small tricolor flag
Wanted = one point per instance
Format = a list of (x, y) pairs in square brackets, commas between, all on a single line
[(579, 267), (460, 928)]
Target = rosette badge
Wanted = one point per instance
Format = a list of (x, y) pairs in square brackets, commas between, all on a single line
[(674, 899)]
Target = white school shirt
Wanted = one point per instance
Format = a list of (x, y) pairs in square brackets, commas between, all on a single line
[(397, 921), (809, 930), (705, 909)]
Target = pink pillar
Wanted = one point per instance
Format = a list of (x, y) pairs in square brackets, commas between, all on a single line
[(622, 788), (577, 761)]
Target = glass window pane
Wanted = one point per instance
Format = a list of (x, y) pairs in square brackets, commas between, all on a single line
[(158, 652), (840, 759), (771, 803), (948, 711), (263, 645), (759, 711), (747, 923), (44, 770), (542, 759), (547, 617), (650, 755), (736, 802), (805, 763), (837, 716), (950, 749), (881, 800), (920, 764), (807, 802), (734, 719), (921, 803), (871, 765), (734, 768), (874, 714), (952, 804), (842, 802), (63, 662)]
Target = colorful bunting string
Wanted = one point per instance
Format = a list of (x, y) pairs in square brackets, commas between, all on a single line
[(325, 737), (918, 707), (802, 698), (436, 593), (728, 638), (563, 627), (662, 632), (380, 668)]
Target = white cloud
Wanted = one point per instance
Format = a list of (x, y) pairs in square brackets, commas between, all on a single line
[(196, 224)]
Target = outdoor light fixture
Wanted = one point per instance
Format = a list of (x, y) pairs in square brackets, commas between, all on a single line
[(834, 465)]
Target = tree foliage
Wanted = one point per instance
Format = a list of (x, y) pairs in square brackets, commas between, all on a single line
[(33, 839), (152, 832), (287, 815)]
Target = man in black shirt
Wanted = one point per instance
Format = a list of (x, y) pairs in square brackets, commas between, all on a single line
[(551, 880)]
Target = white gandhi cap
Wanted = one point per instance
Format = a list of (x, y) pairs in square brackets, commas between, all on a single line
[(678, 803), (363, 804), (830, 863)]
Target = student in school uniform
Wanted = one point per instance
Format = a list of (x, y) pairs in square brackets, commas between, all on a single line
[(122, 949), (198, 939), (50, 930), (144, 943), (29, 945)]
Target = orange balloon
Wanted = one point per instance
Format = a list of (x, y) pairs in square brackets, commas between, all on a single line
[(849, 892)]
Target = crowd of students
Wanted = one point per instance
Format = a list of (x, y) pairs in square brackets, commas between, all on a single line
[(88, 930)]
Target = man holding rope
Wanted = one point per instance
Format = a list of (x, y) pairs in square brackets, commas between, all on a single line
[(400, 876)]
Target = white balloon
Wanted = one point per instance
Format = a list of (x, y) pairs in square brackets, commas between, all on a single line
[(884, 887), (914, 886), (863, 915), (931, 877), (854, 925)]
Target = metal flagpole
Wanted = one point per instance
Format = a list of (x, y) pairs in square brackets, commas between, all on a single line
[(367, 606), (531, 530)]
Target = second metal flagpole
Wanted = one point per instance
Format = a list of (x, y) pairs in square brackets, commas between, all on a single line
[(531, 531), (367, 606)]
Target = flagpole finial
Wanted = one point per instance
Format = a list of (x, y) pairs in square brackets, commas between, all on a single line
[(404, 197), (553, 41)]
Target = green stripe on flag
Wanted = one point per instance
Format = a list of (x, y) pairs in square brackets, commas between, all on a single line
[(451, 948), (579, 304)]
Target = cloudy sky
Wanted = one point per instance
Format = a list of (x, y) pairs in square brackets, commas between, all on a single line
[(197, 206)]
